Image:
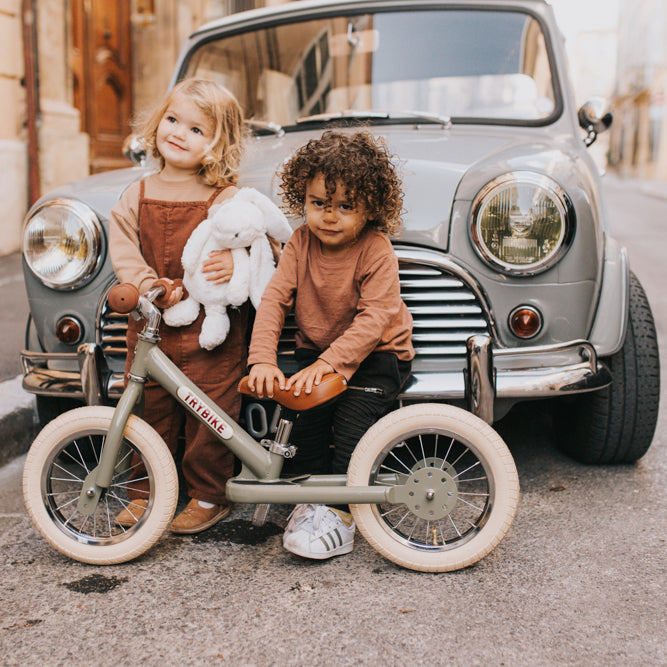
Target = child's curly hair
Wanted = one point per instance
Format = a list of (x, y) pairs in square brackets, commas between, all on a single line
[(221, 162), (360, 163)]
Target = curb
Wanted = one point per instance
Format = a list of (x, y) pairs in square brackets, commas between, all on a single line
[(18, 419)]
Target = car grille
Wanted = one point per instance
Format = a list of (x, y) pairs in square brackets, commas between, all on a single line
[(445, 308), (445, 312), (111, 331)]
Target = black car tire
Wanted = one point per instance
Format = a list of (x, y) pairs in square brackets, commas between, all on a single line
[(616, 424), (48, 408)]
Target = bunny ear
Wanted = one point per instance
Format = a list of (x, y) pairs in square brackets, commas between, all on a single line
[(261, 268), (275, 221)]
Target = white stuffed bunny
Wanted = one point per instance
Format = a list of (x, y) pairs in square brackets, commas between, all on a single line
[(241, 222)]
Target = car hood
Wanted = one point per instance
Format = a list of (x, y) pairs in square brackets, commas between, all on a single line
[(432, 162)]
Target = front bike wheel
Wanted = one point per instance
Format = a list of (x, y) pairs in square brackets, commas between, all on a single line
[(60, 459), (454, 487)]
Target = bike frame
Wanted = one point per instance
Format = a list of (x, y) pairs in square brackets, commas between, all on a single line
[(259, 480)]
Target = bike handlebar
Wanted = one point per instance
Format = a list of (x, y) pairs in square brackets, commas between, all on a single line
[(124, 298)]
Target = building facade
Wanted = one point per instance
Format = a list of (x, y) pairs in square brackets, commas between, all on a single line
[(73, 75), (638, 146)]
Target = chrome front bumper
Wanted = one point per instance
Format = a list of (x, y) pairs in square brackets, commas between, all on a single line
[(490, 374)]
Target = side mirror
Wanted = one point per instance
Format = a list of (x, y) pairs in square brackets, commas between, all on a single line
[(594, 116), (134, 150)]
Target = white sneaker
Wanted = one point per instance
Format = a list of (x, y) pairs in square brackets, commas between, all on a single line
[(318, 531)]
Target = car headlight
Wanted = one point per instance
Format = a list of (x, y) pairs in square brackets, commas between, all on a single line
[(522, 223), (61, 243)]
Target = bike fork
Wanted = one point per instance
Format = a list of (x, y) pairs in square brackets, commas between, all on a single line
[(99, 478)]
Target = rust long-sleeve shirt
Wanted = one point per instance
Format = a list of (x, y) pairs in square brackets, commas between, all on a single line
[(345, 306)]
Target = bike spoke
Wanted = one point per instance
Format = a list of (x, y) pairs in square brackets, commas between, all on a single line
[(393, 508), (73, 478), (458, 532), (128, 484), (399, 460), (463, 472), (59, 508), (95, 449), (473, 479), (479, 509), (449, 449), (470, 493), (421, 445), (82, 460), (396, 472)]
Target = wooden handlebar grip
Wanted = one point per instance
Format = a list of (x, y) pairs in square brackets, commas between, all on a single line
[(168, 286), (123, 298)]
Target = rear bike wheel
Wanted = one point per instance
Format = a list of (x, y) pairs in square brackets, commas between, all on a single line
[(57, 464), (454, 487)]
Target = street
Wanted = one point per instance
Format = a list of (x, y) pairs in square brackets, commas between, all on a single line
[(579, 580)]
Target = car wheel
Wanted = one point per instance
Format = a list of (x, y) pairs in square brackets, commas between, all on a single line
[(616, 424)]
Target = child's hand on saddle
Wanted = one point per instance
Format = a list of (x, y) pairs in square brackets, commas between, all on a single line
[(309, 377), (219, 266), (261, 378)]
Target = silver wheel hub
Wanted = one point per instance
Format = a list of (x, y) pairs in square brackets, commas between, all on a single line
[(430, 493)]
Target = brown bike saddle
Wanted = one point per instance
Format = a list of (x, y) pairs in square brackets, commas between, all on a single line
[(332, 385)]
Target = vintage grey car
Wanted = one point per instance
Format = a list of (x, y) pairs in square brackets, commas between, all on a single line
[(517, 290)]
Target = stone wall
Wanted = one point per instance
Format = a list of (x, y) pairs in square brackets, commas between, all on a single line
[(63, 147), (13, 185)]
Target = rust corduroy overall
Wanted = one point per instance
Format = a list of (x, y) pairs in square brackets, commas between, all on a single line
[(164, 228)]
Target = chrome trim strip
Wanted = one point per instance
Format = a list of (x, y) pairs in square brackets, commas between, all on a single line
[(549, 370)]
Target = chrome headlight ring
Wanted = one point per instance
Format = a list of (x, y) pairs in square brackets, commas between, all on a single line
[(62, 241), (522, 223)]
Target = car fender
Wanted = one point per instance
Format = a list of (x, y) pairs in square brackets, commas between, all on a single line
[(610, 322)]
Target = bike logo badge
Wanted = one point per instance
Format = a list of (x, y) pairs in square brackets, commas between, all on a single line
[(206, 412)]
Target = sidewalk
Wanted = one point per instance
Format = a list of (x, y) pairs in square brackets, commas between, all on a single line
[(657, 189), (18, 420)]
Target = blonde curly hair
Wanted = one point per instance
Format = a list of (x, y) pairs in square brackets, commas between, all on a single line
[(222, 159), (360, 163)]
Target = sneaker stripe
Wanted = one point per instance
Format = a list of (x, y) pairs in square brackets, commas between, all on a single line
[(326, 544), (331, 537)]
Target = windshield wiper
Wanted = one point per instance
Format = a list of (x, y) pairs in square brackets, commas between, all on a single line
[(264, 126), (342, 115), (406, 116)]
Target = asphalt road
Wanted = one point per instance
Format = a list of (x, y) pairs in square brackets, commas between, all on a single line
[(579, 580)]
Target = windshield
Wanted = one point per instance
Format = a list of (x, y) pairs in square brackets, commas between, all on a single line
[(463, 64)]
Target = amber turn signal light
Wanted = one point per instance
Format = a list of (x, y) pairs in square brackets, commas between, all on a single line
[(69, 330), (525, 322)]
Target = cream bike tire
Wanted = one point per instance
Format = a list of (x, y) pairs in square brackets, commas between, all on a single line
[(60, 458), (455, 487)]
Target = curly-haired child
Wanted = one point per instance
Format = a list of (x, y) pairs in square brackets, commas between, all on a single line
[(340, 274)]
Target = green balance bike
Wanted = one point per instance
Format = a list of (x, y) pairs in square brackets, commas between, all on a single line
[(430, 486)]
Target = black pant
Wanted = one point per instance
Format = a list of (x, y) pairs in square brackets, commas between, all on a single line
[(346, 418)]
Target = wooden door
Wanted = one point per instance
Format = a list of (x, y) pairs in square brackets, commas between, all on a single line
[(101, 65)]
